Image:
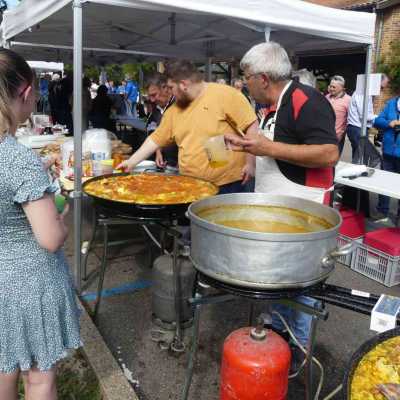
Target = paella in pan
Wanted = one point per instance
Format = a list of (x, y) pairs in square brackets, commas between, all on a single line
[(150, 188)]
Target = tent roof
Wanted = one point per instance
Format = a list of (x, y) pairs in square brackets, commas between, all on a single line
[(183, 28)]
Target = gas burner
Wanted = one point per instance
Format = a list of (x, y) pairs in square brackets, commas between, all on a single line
[(259, 294)]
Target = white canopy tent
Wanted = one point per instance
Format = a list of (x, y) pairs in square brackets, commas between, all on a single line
[(46, 66), (192, 29), (196, 29)]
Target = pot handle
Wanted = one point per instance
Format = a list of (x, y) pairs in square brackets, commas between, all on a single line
[(330, 259)]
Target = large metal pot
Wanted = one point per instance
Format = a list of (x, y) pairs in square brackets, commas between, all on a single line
[(264, 260)]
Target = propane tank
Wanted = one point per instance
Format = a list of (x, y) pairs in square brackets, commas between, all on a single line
[(163, 303), (255, 365)]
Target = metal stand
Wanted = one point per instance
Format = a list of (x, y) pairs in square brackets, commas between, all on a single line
[(199, 300), (105, 221), (169, 227), (177, 344)]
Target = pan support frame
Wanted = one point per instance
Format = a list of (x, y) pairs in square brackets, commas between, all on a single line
[(201, 299)]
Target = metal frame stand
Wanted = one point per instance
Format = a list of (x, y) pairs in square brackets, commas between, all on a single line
[(169, 227), (105, 222), (199, 300), (177, 344)]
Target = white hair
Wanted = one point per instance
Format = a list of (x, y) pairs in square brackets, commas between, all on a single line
[(221, 81), (268, 58), (305, 77), (339, 79)]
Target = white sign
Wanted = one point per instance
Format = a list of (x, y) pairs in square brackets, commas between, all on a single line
[(384, 313), (374, 84)]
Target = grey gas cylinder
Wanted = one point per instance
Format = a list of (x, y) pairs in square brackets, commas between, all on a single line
[(163, 303)]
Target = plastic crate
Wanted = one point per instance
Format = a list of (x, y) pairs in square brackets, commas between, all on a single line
[(342, 240), (353, 225), (377, 265)]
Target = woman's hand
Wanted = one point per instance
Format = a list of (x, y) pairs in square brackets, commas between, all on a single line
[(394, 123), (126, 166)]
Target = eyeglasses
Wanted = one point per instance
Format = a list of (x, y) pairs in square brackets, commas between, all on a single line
[(23, 91), (247, 77), (35, 91)]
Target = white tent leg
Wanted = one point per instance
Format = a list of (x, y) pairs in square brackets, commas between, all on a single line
[(267, 32), (77, 96), (364, 135)]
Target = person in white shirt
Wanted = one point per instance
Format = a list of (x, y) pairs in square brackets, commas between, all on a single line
[(354, 120)]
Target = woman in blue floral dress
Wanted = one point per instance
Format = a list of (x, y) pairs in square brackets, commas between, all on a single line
[(39, 317)]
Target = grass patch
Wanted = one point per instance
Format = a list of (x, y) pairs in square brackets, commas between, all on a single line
[(75, 380)]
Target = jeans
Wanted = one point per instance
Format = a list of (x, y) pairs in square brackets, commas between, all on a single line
[(392, 164), (353, 133), (237, 187), (299, 322)]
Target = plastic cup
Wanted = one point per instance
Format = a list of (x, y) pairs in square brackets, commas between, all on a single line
[(217, 153)]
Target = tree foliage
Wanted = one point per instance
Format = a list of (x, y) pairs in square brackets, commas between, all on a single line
[(117, 72), (390, 65)]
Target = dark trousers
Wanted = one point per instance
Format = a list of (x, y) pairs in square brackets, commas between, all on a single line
[(353, 133), (237, 187), (341, 144), (392, 164)]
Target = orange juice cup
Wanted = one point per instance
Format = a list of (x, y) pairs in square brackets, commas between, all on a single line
[(217, 153)]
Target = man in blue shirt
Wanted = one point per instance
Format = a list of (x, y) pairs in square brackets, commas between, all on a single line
[(131, 93), (389, 122)]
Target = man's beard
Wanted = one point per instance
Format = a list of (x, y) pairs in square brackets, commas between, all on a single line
[(183, 100)]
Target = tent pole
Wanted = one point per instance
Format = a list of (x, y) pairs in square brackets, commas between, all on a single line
[(77, 104), (209, 69), (364, 133), (267, 32)]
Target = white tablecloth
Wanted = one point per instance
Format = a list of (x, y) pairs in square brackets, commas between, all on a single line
[(381, 182)]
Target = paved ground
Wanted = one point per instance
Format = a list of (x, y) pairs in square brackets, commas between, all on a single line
[(125, 322)]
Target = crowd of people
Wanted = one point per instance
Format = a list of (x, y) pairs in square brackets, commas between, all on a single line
[(98, 101)]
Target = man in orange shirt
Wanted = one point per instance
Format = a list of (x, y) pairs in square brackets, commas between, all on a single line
[(199, 112), (340, 102)]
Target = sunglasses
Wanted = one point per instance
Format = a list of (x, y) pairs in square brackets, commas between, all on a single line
[(36, 92)]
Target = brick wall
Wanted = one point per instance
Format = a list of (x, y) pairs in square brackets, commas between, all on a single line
[(338, 3), (391, 31)]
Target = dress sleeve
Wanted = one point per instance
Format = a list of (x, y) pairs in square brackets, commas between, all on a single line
[(31, 181)]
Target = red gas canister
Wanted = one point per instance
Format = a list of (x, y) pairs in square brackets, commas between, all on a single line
[(255, 366)]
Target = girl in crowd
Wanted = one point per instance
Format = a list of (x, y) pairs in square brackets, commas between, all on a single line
[(39, 317)]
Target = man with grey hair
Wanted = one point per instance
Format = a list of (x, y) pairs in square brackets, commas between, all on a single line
[(340, 102), (159, 94), (295, 147)]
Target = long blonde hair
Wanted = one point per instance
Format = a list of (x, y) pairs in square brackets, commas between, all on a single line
[(14, 71)]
